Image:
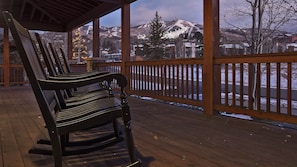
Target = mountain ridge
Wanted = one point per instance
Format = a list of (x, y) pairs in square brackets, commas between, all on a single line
[(172, 29)]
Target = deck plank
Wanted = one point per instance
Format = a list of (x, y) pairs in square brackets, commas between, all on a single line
[(165, 136), (10, 150), (201, 140)]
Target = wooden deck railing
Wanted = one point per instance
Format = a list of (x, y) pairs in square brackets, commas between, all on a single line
[(1, 74), (177, 80), (16, 75), (273, 97), (275, 86)]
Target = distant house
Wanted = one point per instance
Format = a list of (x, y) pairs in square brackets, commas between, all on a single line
[(234, 48), (190, 49), (170, 51), (291, 47)]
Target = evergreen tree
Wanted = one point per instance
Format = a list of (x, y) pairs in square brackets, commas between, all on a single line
[(110, 45), (155, 37)]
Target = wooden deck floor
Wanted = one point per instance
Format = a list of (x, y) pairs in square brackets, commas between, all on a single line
[(165, 136)]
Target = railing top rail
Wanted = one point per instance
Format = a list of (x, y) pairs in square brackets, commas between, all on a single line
[(168, 62), (258, 58)]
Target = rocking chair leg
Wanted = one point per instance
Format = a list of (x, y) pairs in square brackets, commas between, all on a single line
[(116, 128), (56, 146), (64, 140), (129, 137)]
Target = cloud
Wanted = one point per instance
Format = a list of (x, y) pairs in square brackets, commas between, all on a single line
[(143, 11)]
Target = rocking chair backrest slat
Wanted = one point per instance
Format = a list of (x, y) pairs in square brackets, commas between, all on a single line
[(57, 59), (46, 99), (45, 55), (65, 61)]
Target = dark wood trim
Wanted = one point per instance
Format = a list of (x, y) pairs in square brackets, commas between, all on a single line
[(6, 57), (210, 50), (96, 37), (125, 23)]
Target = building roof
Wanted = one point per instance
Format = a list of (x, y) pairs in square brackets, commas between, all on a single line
[(58, 15)]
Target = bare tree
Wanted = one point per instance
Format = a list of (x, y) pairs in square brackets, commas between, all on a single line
[(266, 17)]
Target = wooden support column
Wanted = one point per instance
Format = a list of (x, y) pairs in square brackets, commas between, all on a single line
[(96, 37), (6, 57), (69, 45), (125, 23), (210, 50)]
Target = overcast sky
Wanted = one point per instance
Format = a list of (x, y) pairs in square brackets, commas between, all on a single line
[(142, 11)]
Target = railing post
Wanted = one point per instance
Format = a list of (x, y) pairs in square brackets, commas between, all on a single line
[(211, 37), (89, 64), (125, 22), (96, 37), (6, 58)]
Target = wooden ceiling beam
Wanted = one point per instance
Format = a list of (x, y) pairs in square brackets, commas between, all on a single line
[(22, 9), (111, 1), (44, 26), (89, 4), (57, 15), (64, 5), (32, 13), (104, 9), (41, 17), (43, 11), (11, 5)]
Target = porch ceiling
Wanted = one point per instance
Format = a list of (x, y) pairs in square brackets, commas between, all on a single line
[(58, 15)]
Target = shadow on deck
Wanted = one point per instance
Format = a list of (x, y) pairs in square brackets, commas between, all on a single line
[(165, 136)]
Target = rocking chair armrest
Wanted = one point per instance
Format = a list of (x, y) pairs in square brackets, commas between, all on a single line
[(47, 84), (74, 76)]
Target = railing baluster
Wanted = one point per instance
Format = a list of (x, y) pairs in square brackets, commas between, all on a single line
[(165, 80), (278, 87), (159, 73), (250, 87), (197, 81), (142, 77), (241, 85), (258, 86), (182, 81), (187, 81), (173, 80), (233, 85), (178, 80), (150, 82), (192, 83), (155, 80), (169, 80), (139, 77), (289, 89), (268, 86), (226, 84)]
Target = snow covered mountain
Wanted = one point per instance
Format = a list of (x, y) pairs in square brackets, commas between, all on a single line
[(172, 29), (110, 32), (175, 28)]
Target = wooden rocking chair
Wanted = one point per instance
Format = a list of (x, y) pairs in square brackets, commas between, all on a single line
[(64, 121)]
